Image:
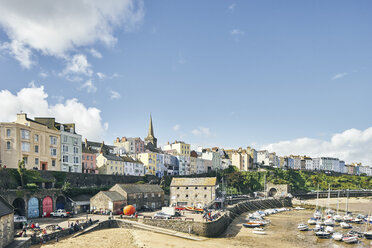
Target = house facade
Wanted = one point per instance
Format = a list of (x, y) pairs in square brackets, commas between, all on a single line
[(105, 201), (6, 223)]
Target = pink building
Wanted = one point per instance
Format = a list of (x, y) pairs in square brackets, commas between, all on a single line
[(88, 160)]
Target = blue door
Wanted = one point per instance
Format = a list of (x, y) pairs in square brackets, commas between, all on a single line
[(33, 208)]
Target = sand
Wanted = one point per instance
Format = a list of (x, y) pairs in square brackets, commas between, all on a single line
[(281, 233)]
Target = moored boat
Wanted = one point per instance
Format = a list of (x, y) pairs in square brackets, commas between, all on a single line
[(323, 234), (337, 236), (312, 221), (251, 225), (302, 227), (350, 239), (329, 222), (345, 225)]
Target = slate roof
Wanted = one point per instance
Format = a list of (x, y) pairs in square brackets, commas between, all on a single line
[(141, 188), (113, 195), (197, 181), (5, 207), (113, 157)]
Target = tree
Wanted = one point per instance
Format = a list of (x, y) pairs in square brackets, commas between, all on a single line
[(21, 171)]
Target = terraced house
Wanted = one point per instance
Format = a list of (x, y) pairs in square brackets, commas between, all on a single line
[(31, 141)]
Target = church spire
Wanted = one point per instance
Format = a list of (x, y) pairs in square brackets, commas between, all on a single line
[(150, 136), (151, 129)]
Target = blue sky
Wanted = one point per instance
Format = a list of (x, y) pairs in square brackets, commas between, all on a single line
[(212, 73)]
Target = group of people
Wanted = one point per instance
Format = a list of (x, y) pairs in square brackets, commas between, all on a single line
[(209, 217)]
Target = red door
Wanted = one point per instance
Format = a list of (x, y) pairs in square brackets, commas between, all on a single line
[(47, 206)]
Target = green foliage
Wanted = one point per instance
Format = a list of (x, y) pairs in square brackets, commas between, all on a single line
[(60, 178), (88, 191), (66, 187), (20, 193), (140, 182)]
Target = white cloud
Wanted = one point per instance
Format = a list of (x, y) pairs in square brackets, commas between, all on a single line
[(339, 75), (231, 7), (176, 127), (95, 53), (33, 101), (115, 95), (78, 64), (205, 131), (57, 27), (352, 145), (19, 51), (89, 86), (237, 32), (43, 74), (101, 75)]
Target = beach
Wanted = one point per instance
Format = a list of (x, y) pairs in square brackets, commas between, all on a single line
[(281, 233)]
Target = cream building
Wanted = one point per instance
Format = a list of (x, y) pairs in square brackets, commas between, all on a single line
[(149, 162), (110, 164), (180, 148), (35, 143)]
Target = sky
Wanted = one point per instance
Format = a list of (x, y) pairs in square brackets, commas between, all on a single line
[(293, 77)]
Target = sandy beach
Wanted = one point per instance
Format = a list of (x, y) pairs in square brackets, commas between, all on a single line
[(281, 233)]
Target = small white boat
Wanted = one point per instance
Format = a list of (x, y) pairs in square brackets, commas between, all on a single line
[(317, 227), (259, 231), (329, 229), (368, 235), (311, 221), (345, 225), (302, 227), (357, 220), (323, 234), (317, 214), (299, 208), (337, 218), (348, 218), (337, 236), (350, 239), (329, 222)]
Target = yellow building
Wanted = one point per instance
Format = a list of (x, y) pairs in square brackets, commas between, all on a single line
[(149, 162), (31, 141), (110, 164), (180, 147)]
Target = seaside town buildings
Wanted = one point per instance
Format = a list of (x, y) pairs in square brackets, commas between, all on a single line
[(45, 144), (6, 223)]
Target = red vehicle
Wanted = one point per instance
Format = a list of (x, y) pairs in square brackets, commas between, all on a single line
[(179, 208)]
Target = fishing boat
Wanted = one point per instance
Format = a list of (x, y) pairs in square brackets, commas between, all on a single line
[(251, 225), (337, 236), (345, 225), (329, 229), (312, 221), (302, 227), (322, 234), (350, 239)]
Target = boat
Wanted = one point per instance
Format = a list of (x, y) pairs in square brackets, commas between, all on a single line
[(329, 222), (337, 218), (322, 234), (357, 220), (299, 208), (259, 232), (317, 227), (251, 224), (368, 235), (258, 229), (302, 227), (312, 221), (350, 239), (345, 225), (348, 218), (329, 229), (337, 236)]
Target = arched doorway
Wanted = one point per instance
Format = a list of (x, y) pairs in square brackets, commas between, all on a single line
[(47, 206), (60, 202), (19, 207), (272, 192), (33, 208)]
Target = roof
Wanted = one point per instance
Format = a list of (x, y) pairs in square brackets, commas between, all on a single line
[(197, 181), (141, 188), (81, 198), (5, 207), (113, 157), (113, 195), (130, 159)]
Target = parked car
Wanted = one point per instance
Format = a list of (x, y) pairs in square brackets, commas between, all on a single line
[(60, 213), (19, 219), (161, 215), (146, 209)]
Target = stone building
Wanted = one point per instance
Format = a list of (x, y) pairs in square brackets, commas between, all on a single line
[(6, 223), (108, 201), (194, 192), (139, 195), (150, 139)]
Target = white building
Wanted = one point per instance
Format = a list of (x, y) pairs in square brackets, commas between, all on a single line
[(70, 149), (160, 166), (263, 157), (214, 157), (200, 167), (316, 164), (183, 165), (309, 165), (296, 163)]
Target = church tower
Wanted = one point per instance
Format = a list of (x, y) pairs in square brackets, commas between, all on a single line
[(150, 136)]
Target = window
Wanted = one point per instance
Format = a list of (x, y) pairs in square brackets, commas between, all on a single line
[(53, 162), (205, 187), (159, 195), (36, 161), (53, 151), (75, 141), (25, 147), (196, 195), (178, 195), (187, 196), (76, 160), (64, 138), (36, 149), (53, 140), (65, 159), (145, 195), (65, 148), (25, 134), (91, 158), (91, 165), (25, 159), (187, 187), (36, 138), (178, 187), (8, 145), (205, 196), (8, 133), (196, 187), (83, 157), (153, 194), (76, 150)]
